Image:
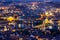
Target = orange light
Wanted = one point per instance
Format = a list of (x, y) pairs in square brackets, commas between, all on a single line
[(10, 18)]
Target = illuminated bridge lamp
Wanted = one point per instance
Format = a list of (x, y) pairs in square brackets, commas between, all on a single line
[(10, 19)]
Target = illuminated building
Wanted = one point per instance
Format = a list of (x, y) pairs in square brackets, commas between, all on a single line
[(10, 19), (46, 21), (5, 28)]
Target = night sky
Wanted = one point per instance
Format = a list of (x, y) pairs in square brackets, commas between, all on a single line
[(32, 0)]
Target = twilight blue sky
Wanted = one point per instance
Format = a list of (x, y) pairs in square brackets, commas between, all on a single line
[(32, 0)]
